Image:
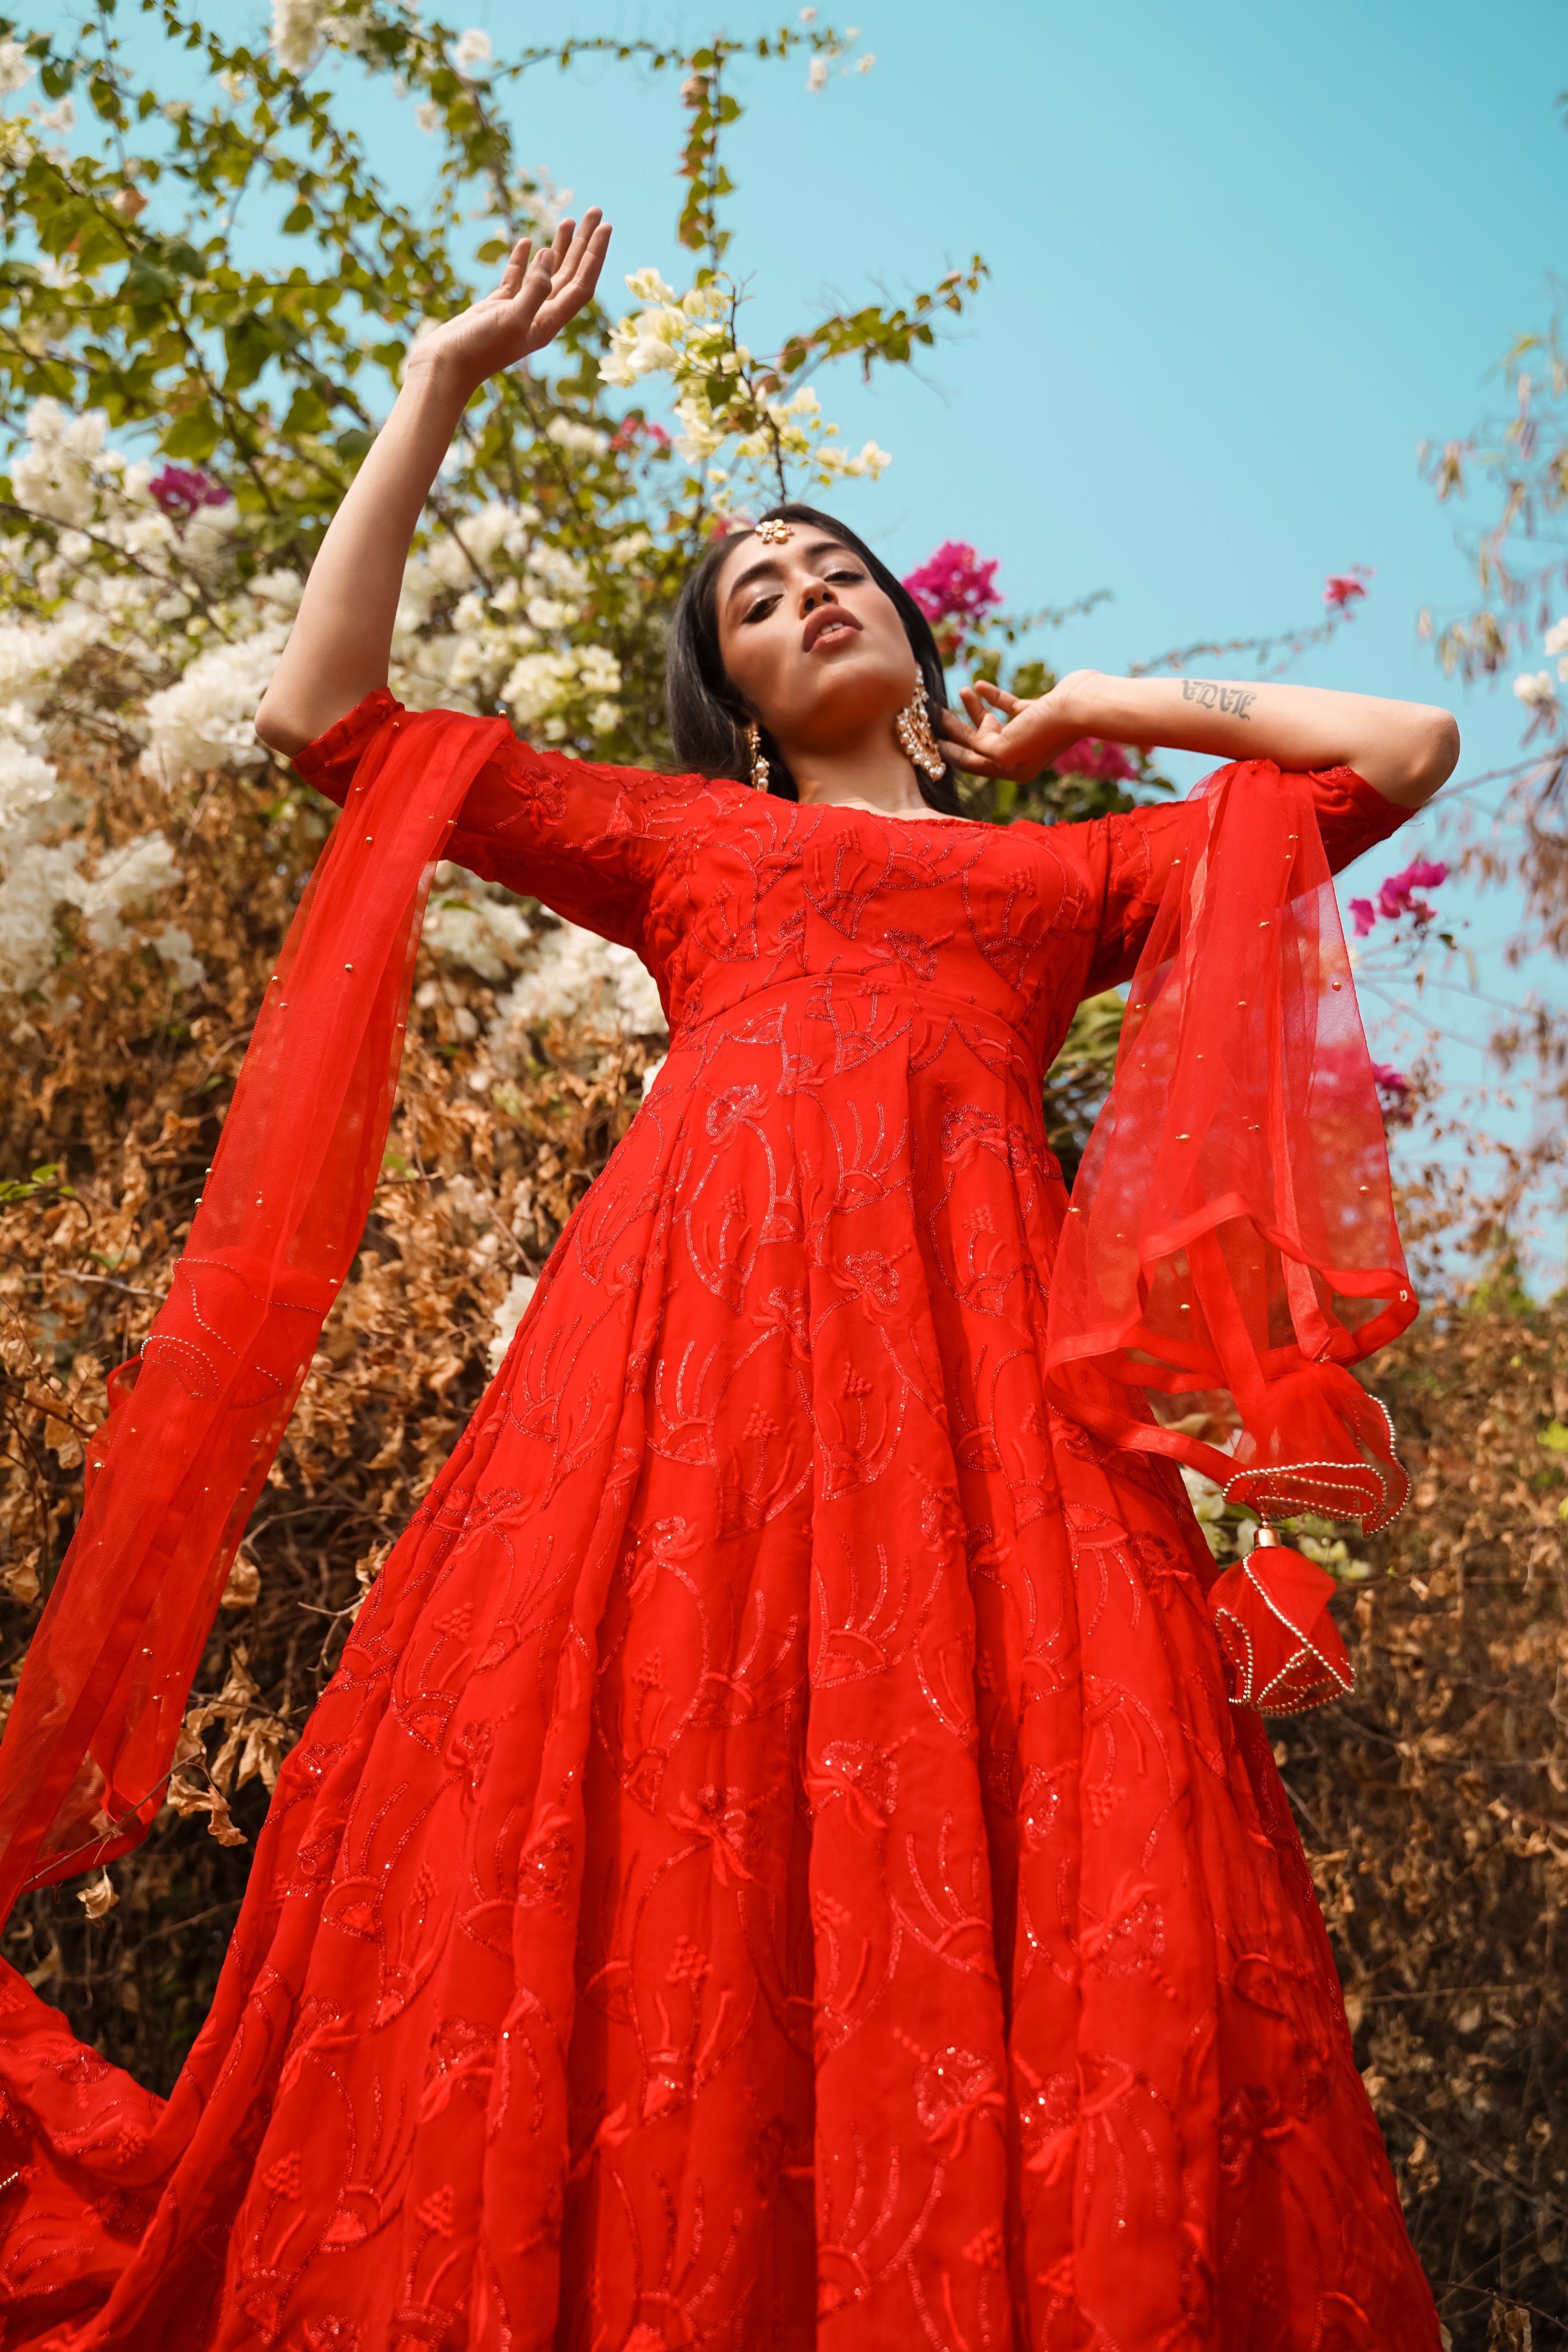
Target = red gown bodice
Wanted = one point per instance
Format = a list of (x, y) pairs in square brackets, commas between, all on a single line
[(776, 1866), (726, 893)]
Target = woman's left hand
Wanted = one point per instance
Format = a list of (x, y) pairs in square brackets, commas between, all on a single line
[(1005, 737)]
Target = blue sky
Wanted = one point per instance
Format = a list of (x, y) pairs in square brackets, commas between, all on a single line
[(1244, 257)]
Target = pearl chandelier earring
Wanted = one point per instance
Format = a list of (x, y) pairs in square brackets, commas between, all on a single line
[(913, 728)]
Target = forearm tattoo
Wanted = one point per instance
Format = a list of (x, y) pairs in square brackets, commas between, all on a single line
[(1234, 700)]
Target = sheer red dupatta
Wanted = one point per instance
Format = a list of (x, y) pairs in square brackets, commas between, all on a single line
[(1232, 1225), (174, 1473)]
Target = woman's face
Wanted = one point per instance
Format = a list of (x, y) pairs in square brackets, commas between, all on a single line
[(815, 646)]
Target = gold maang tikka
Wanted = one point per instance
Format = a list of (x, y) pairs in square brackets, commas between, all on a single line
[(759, 764), (774, 530), (913, 728)]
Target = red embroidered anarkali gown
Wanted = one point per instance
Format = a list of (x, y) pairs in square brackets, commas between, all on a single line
[(776, 1866)]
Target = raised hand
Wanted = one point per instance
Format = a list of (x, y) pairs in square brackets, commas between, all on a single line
[(338, 648), (1007, 736), (538, 294)]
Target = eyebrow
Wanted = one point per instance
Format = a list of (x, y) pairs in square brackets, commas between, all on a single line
[(768, 568)]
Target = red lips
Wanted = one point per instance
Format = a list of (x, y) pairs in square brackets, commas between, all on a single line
[(826, 616)]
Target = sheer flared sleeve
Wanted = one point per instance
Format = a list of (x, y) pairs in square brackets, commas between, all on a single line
[(1232, 1223), (585, 839), (195, 1421), (1135, 852)]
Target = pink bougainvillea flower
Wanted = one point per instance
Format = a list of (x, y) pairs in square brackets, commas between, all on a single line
[(1342, 588), (633, 429), (179, 490), (1393, 1094), (1396, 896), (954, 586), (1107, 763)]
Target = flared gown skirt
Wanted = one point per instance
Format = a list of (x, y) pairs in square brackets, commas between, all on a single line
[(777, 1866)]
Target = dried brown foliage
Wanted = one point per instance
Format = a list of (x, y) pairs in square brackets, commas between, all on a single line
[(1431, 1804), (1432, 1807)]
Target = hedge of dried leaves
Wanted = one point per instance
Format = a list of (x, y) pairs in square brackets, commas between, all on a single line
[(1432, 1804)]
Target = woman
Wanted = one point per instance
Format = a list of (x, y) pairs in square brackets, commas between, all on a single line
[(778, 1864)]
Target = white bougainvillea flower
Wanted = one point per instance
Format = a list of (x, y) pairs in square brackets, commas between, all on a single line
[(300, 32), (16, 67), (509, 1315)]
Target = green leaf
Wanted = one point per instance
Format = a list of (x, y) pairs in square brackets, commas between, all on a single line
[(307, 413), (144, 285), (1554, 1436), (250, 344), (195, 434), (43, 1179)]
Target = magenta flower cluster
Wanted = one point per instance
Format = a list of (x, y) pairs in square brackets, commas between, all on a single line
[(1108, 763), (954, 587), (1397, 898), (633, 429), (1342, 588), (1393, 1094), (179, 490)]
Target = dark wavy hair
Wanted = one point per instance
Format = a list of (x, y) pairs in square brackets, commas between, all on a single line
[(708, 718)]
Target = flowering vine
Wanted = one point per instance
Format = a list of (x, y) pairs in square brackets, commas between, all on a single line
[(725, 403), (152, 572)]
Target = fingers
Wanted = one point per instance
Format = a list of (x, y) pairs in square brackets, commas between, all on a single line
[(577, 274), (571, 241), (515, 269), (974, 749), (582, 257), (962, 747), (598, 246), (955, 730), (998, 695), (528, 293), (971, 763), (542, 289), (582, 234), (548, 287), (983, 716)]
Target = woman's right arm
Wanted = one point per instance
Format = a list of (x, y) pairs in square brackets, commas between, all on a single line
[(338, 648)]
